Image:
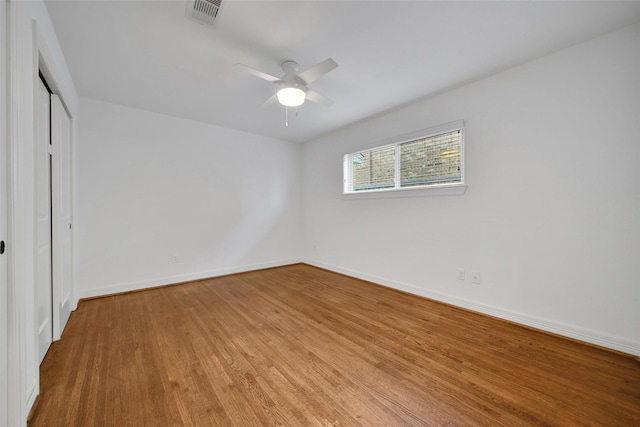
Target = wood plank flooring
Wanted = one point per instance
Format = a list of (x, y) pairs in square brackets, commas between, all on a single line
[(301, 346)]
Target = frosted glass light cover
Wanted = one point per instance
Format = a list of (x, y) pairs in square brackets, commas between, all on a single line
[(291, 96)]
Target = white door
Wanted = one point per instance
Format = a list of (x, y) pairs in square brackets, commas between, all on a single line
[(61, 209), (43, 184)]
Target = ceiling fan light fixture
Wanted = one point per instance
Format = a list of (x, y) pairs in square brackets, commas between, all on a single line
[(291, 96)]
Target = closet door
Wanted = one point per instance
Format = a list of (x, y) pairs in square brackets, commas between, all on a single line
[(61, 185), (43, 184)]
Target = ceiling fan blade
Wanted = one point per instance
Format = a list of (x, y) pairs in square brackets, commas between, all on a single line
[(258, 73), (314, 96), (314, 73), (270, 101)]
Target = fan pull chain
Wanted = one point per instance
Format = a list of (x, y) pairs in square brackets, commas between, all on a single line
[(286, 115)]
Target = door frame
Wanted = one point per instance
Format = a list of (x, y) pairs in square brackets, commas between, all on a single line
[(4, 316), (30, 46)]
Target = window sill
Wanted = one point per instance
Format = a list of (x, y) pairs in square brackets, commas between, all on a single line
[(441, 190)]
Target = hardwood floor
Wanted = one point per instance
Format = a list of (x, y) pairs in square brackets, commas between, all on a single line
[(301, 346)]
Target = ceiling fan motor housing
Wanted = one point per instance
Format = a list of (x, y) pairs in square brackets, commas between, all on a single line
[(290, 68)]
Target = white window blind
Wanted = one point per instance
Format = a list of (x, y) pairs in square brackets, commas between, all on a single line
[(434, 159)]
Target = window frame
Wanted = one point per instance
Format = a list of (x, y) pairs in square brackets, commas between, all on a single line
[(448, 189)]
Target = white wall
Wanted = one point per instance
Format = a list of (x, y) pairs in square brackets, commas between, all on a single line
[(151, 186), (550, 217), (32, 44)]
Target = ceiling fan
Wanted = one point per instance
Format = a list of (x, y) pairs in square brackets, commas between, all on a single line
[(292, 86)]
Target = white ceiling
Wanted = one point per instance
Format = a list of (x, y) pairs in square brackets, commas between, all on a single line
[(146, 54)]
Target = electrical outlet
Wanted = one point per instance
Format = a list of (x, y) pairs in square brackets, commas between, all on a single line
[(475, 277), (174, 259), (461, 274)]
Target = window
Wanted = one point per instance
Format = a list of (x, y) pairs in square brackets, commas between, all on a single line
[(425, 159)]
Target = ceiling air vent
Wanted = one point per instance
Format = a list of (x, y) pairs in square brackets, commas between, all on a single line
[(203, 11)]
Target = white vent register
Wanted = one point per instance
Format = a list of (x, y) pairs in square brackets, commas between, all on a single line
[(203, 11)]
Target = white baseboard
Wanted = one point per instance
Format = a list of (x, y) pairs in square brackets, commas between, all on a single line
[(168, 280), (571, 331)]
